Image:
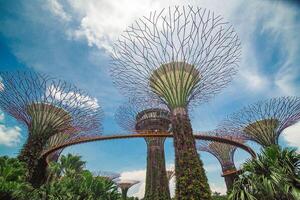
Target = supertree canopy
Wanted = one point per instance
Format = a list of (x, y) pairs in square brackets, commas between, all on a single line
[(125, 185), (264, 121), (58, 138), (107, 175), (180, 56), (224, 153), (47, 107), (134, 116)]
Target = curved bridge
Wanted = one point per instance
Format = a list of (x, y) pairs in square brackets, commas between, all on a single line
[(79, 140)]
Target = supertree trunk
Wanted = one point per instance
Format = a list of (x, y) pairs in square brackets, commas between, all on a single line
[(191, 180), (230, 179), (124, 193), (30, 155), (156, 177)]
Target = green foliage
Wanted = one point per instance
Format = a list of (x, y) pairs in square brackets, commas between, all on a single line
[(12, 177), (218, 196), (69, 181), (77, 186), (274, 175), (68, 165)]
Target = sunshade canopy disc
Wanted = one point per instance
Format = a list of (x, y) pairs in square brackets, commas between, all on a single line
[(263, 131), (126, 185), (174, 83), (47, 117), (153, 119), (223, 151)]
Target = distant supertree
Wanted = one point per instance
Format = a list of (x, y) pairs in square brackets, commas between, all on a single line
[(135, 117), (47, 107), (180, 56), (170, 174), (125, 185), (107, 175), (224, 153), (264, 121)]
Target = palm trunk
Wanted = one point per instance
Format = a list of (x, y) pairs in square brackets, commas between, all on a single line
[(30, 155), (157, 186), (191, 180)]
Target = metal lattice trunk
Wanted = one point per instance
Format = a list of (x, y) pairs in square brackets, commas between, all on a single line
[(157, 186)]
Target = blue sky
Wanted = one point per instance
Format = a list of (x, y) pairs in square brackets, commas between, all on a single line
[(71, 40)]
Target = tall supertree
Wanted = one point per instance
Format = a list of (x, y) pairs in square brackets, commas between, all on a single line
[(224, 153), (125, 185), (46, 106), (180, 56), (264, 121), (145, 116)]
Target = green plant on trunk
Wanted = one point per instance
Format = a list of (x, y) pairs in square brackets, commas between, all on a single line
[(179, 56), (47, 107), (274, 175)]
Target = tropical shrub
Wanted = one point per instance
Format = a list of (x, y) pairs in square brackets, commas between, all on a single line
[(274, 175), (80, 186), (12, 177), (67, 180)]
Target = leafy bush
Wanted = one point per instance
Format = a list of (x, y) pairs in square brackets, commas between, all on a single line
[(67, 180), (274, 175), (12, 177)]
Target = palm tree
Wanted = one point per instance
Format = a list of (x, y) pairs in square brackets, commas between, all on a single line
[(68, 165), (274, 175)]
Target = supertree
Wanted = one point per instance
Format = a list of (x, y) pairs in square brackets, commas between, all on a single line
[(135, 116), (170, 174), (46, 106), (224, 153), (125, 185), (264, 121), (180, 56), (107, 175)]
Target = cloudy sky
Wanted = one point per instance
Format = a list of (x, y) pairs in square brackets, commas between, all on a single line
[(72, 39)]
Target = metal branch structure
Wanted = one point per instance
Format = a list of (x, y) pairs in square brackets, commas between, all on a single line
[(107, 175), (224, 153), (180, 56), (143, 116), (125, 185), (46, 106), (264, 121)]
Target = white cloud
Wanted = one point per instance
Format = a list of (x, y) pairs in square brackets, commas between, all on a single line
[(10, 136), (291, 136), (72, 98), (102, 22), (220, 187), (57, 9)]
